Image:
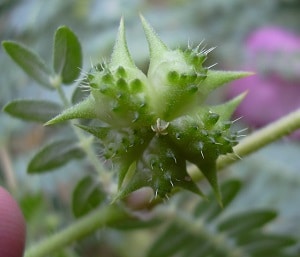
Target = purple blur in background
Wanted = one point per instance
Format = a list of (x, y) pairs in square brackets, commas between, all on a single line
[(274, 55)]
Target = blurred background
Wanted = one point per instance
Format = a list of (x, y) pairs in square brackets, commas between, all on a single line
[(259, 35)]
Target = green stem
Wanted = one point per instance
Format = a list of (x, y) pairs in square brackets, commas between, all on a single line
[(62, 96), (105, 178), (56, 82), (81, 228), (259, 139)]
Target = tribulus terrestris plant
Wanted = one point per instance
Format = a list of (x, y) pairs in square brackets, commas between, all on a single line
[(150, 128), (157, 122)]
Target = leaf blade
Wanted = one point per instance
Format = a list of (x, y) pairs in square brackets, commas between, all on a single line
[(87, 196), (245, 222), (210, 210), (261, 244), (168, 243), (67, 56), (32, 110), (30, 62), (54, 155)]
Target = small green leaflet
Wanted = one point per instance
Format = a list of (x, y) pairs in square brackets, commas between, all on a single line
[(87, 195), (67, 56), (30, 62), (55, 155), (32, 110)]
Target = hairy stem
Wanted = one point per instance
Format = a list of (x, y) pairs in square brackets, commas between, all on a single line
[(62, 95), (81, 228), (268, 134), (105, 178)]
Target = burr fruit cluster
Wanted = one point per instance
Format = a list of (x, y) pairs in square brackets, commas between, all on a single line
[(151, 126)]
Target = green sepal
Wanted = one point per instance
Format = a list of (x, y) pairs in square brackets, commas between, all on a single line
[(209, 170), (216, 79), (156, 46), (97, 131), (226, 109), (120, 88), (84, 110), (189, 185), (121, 55), (160, 168), (121, 58), (173, 80)]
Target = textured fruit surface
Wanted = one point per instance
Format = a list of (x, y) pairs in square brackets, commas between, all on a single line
[(157, 123)]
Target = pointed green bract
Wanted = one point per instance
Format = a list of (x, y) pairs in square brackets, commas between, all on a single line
[(216, 79), (226, 110), (121, 55), (97, 131), (152, 126), (84, 110), (156, 46), (174, 76), (209, 170)]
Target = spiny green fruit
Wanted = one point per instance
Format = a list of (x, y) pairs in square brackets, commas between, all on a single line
[(155, 124)]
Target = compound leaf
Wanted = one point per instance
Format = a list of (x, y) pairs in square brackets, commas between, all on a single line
[(243, 233)]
